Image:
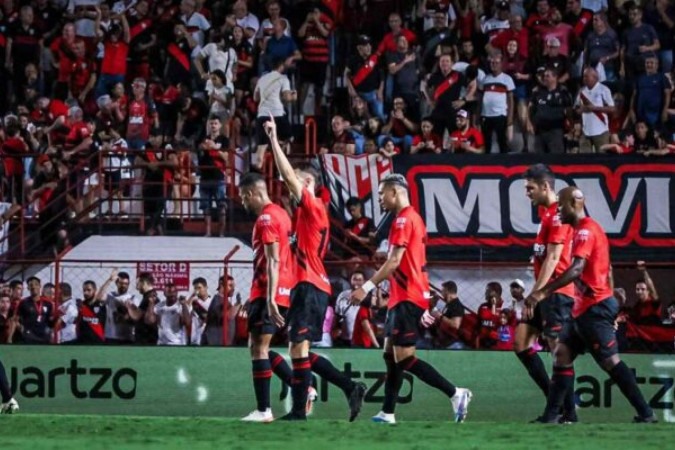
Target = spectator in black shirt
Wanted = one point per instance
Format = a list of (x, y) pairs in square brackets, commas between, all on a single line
[(442, 92), (6, 323), (24, 46), (404, 68), (451, 317), (440, 35), (359, 229), (363, 76), (644, 138), (36, 315), (212, 154), (155, 191), (92, 316), (554, 60), (145, 333), (549, 106)]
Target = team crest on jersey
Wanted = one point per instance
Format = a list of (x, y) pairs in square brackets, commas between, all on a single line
[(582, 235), (400, 222), (556, 220), (265, 219)]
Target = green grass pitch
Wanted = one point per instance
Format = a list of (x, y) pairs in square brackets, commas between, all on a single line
[(32, 431)]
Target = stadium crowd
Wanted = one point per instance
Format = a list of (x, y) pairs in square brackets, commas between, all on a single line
[(161, 93), (109, 313)]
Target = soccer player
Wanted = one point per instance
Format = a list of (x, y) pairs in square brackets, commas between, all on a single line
[(408, 306), (551, 259), (91, 320), (273, 278), (594, 312), (309, 297)]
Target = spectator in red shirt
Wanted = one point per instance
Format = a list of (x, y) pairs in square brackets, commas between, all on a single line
[(364, 335), (83, 77), (388, 148), (13, 149), (143, 38), (516, 32), (466, 139), (648, 309), (142, 116), (388, 43), (427, 141), (115, 52), (359, 229), (401, 125), (489, 316)]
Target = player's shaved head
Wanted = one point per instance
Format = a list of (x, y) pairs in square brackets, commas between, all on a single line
[(253, 192), (571, 205)]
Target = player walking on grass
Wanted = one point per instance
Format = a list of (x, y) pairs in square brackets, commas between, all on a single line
[(551, 258), (272, 278), (594, 312), (9, 405), (408, 307), (309, 297)]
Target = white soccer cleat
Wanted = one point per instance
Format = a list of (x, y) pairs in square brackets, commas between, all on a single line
[(460, 403), (383, 417), (311, 398), (11, 407), (259, 416)]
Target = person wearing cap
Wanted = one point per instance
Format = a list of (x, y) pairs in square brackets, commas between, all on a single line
[(517, 288), (637, 43), (498, 23), (466, 139), (553, 59), (364, 78), (550, 105)]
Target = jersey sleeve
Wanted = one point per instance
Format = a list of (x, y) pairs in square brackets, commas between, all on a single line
[(584, 240), (269, 229), (400, 232), (558, 231)]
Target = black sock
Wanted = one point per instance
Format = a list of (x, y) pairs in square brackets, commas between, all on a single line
[(322, 367), (392, 384), (625, 379), (5, 389), (535, 367), (569, 405), (428, 374), (561, 382), (262, 372), (280, 367), (302, 378)]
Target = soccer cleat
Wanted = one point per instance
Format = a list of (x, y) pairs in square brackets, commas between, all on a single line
[(311, 398), (460, 403), (293, 416), (650, 419), (11, 407), (356, 397), (259, 416), (543, 419), (568, 419), (383, 417)]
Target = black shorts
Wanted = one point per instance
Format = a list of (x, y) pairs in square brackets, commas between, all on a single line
[(593, 331), (283, 129), (113, 180), (402, 325), (551, 315), (259, 321), (313, 73), (307, 312)]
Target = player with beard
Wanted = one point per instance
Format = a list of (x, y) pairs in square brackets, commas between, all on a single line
[(408, 307), (593, 314), (309, 298), (91, 319), (551, 259), (273, 279), (118, 327), (146, 334)]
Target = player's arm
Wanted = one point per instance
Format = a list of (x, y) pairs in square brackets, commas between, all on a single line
[(572, 273), (553, 253), (283, 165), (390, 265), (272, 256), (368, 329), (452, 322)]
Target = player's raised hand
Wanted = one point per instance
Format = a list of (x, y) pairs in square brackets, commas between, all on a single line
[(275, 315), (357, 296)]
